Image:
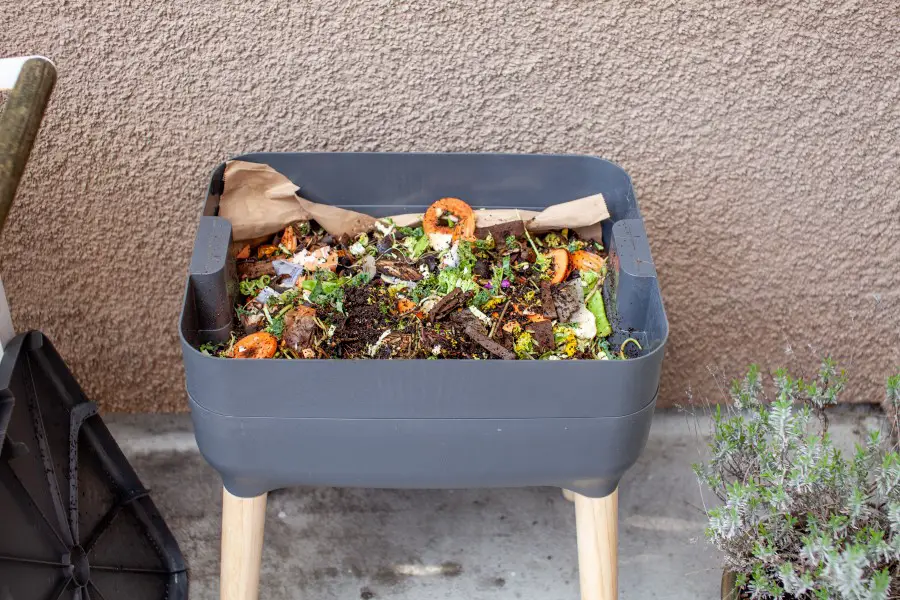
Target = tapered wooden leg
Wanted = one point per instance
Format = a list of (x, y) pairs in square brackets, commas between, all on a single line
[(597, 527), (243, 526)]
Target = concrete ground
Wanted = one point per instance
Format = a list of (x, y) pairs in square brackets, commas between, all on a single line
[(324, 543)]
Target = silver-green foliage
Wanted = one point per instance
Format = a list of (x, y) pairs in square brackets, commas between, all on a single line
[(798, 518)]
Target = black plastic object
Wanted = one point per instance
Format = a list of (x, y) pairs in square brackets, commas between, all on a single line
[(265, 424), (75, 521)]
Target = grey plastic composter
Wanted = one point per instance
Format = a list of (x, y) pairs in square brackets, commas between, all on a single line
[(579, 425)]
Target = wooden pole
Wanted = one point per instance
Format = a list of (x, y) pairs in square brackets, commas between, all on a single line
[(243, 527), (597, 528)]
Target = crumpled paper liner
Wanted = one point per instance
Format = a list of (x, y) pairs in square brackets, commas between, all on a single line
[(260, 201)]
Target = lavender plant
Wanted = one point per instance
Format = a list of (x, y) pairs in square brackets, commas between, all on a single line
[(891, 406), (799, 519)]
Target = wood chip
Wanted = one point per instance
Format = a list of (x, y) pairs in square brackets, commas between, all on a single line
[(253, 270), (446, 305), (398, 269), (401, 344), (542, 332), (472, 330), (568, 299), (500, 232), (547, 304)]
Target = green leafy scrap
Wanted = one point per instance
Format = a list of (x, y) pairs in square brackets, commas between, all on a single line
[(325, 293), (553, 240), (481, 298), (252, 287), (276, 327), (359, 280), (415, 243), (486, 244), (524, 346), (451, 278), (210, 348), (466, 257), (595, 305)]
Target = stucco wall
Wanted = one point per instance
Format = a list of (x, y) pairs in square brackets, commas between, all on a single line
[(763, 139)]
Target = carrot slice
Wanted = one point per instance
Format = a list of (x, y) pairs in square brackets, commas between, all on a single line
[(559, 258), (255, 345), (266, 250), (587, 261), (464, 227), (243, 253), (404, 305), (289, 239)]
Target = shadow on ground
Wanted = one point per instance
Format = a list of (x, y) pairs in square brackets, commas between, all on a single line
[(328, 543)]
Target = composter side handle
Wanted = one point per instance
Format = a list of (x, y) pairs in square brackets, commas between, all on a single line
[(213, 279), (30, 80), (633, 285)]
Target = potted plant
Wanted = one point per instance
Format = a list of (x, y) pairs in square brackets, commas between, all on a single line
[(799, 519)]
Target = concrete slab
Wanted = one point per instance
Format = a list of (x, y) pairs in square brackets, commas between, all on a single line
[(324, 543)]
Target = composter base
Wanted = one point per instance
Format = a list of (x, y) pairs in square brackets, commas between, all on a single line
[(259, 454)]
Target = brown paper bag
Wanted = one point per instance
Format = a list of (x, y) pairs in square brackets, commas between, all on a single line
[(259, 201)]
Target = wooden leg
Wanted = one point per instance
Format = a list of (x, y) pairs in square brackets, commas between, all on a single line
[(243, 526), (597, 529), (568, 495)]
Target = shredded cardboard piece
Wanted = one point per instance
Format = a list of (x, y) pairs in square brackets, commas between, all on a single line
[(573, 214), (260, 201), (408, 220), (337, 221), (591, 232)]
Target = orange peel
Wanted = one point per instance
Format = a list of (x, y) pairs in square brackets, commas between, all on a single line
[(587, 261), (255, 345), (559, 258), (442, 237)]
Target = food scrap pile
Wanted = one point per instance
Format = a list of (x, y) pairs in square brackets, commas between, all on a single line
[(439, 290)]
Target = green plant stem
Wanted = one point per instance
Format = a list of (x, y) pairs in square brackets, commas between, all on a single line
[(625, 343), (538, 256), (594, 289)]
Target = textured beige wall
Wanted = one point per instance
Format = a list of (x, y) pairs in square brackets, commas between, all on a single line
[(763, 139)]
